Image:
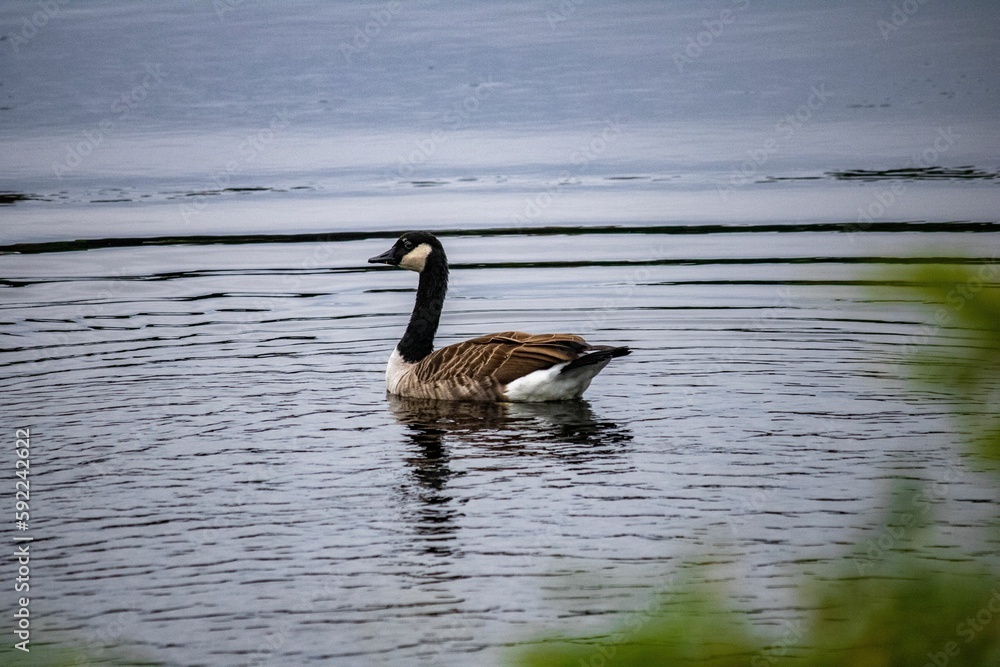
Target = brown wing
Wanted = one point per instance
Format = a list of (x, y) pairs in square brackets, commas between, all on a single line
[(500, 357)]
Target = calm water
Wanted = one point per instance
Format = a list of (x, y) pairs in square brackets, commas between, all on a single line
[(191, 331)]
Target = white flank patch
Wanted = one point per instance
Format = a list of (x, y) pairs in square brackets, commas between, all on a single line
[(551, 385)]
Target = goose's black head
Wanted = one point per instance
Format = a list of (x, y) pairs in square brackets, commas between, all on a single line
[(413, 251)]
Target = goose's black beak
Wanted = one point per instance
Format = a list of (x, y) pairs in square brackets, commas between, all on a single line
[(385, 258)]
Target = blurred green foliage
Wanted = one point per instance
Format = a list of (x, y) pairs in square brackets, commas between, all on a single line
[(907, 610), (900, 607), (964, 303), (690, 626), (46, 654)]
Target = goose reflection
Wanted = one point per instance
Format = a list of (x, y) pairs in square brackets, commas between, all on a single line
[(564, 429), (568, 431)]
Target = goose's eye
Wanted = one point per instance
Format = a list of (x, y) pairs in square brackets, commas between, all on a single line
[(407, 245)]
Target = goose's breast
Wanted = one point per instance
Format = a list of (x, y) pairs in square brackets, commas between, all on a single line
[(395, 372)]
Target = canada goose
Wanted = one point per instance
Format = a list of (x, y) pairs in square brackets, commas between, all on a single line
[(506, 366)]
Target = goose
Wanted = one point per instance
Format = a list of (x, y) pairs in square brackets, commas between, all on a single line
[(507, 366)]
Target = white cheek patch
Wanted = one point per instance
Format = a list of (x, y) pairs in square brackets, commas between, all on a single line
[(416, 259)]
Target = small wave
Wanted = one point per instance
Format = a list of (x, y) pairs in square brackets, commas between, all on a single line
[(10, 198), (74, 245), (915, 173), (905, 173)]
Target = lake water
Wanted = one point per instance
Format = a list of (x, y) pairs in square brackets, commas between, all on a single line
[(193, 336)]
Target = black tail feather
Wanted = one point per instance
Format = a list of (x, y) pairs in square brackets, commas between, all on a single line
[(598, 356)]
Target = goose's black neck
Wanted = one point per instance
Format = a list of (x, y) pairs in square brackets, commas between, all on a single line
[(418, 341)]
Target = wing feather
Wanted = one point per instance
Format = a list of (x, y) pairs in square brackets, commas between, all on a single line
[(500, 358)]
